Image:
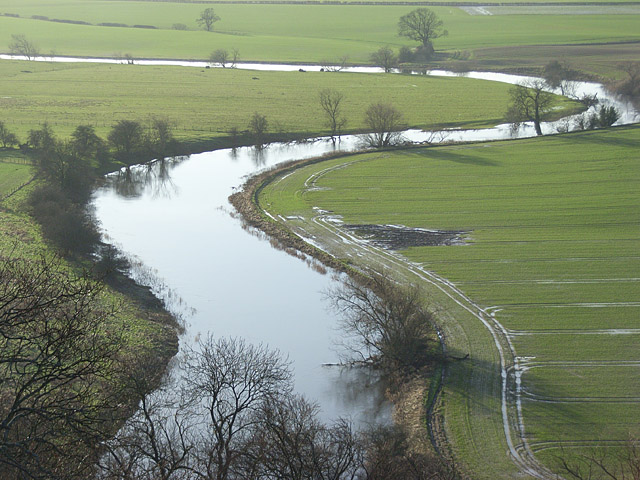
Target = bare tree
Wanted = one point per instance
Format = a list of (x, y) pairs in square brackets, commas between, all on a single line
[(232, 380), (335, 66), (389, 325), (235, 56), (290, 442), (422, 25), (160, 139), (385, 57), (601, 464), (157, 442), (207, 18), (384, 122), (530, 102), (58, 345), (21, 45), (331, 104)]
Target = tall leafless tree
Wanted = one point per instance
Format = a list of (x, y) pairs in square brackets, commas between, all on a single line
[(384, 122), (331, 103), (21, 45), (389, 324), (232, 380), (58, 347)]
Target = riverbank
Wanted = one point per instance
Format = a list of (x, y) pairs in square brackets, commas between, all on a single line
[(414, 398), (145, 332)]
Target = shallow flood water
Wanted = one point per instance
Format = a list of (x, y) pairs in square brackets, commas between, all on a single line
[(175, 218)]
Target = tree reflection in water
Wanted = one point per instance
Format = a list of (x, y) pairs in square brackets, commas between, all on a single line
[(131, 181)]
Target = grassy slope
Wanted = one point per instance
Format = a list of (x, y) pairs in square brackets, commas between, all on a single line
[(292, 33), (207, 103), (147, 341), (553, 232)]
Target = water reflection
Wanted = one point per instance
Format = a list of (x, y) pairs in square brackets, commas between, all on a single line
[(362, 386), (173, 216), (132, 181), (258, 155)]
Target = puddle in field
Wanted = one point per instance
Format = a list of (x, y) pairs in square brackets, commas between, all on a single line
[(399, 237)]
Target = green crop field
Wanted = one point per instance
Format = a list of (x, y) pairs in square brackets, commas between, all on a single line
[(552, 254), (208, 103), (292, 33)]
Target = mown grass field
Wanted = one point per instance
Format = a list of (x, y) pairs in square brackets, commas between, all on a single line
[(553, 251), (208, 103), (287, 33)]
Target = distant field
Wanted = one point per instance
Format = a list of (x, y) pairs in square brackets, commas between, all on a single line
[(553, 252), (287, 33), (208, 103)]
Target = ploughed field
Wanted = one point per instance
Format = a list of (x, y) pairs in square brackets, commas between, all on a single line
[(301, 33), (550, 251)]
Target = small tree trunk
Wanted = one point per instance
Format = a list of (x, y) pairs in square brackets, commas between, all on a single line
[(536, 121)]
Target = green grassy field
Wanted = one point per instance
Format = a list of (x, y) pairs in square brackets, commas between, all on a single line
[(552, 253), (207, 103), (288, 33)]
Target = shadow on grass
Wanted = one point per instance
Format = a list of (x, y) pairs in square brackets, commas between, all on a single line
[(613, 136), (453, 156)]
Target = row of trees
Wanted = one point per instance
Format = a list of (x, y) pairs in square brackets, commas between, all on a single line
[(232, 415), (70, 167)]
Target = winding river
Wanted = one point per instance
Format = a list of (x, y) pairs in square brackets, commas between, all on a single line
[(174, 217)]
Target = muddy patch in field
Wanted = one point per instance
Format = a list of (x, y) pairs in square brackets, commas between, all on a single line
[(399, 237)]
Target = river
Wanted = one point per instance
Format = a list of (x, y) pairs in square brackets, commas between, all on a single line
[(175, 219)]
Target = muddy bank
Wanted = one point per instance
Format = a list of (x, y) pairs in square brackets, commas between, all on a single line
[(413, 402), (245, 201)]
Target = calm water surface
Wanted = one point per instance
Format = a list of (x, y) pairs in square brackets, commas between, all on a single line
[(177, 220)]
